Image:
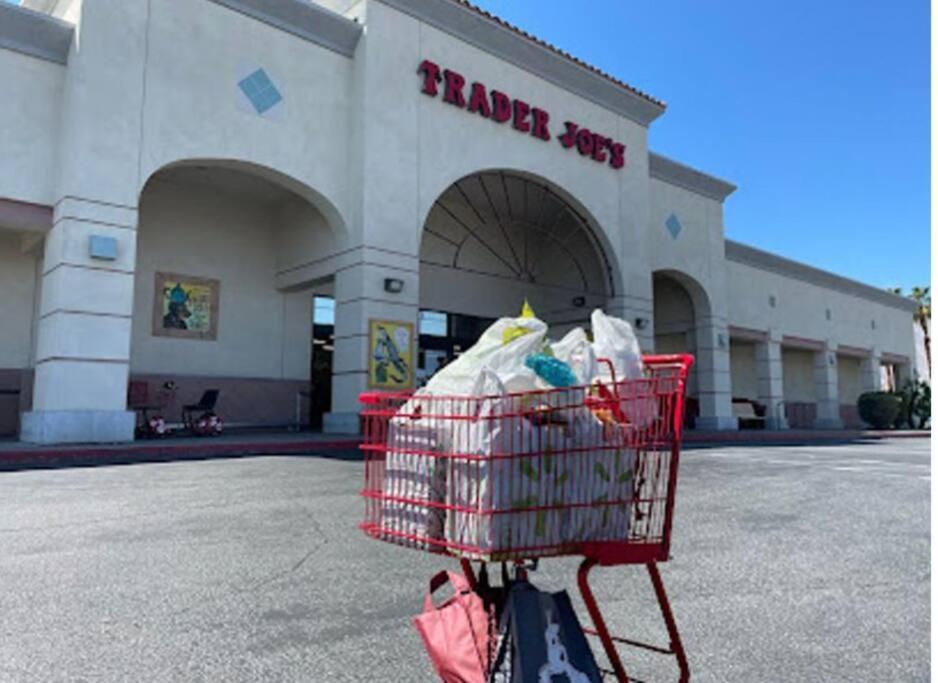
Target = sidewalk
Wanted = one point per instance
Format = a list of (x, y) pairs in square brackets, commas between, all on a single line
[(15, 455), (760, 437)]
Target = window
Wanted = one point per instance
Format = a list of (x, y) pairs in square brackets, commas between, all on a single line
[(432, 323), (323, 310)]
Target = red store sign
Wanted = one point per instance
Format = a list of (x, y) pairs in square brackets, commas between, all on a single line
[(496, 105)]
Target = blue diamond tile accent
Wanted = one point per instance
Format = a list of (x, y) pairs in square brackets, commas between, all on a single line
[(261, 91), (674, 226)]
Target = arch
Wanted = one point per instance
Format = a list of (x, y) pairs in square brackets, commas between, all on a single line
[(321, 202), (695, 290), (541, 206)]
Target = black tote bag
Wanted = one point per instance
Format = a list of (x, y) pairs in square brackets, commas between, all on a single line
[(541, 640)]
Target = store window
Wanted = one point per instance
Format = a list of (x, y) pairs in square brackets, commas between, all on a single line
[(433, 323)]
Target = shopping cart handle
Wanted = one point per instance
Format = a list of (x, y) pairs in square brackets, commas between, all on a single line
[(370, 398)]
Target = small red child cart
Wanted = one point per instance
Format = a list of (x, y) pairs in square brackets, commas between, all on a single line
[(587, 471)]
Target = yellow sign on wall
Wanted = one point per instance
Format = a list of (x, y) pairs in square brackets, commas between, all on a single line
[(390, 355)]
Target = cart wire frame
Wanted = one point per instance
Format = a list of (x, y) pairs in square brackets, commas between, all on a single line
[(589, 471)]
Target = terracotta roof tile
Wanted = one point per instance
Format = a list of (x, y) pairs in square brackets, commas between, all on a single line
[(558, 51)]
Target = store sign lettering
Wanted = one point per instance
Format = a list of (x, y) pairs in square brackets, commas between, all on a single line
[(476, 98)]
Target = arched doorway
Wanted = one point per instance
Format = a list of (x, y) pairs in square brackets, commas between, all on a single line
[(217, 302), (681, 306), (495, 238)]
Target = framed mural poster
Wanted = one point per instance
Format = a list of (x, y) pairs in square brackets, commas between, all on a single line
[(390, 354), (185, 307)]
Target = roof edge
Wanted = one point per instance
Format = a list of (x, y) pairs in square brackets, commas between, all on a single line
[(487, 32), (764, 260), (682, 175), (34, 34), (308, 21)]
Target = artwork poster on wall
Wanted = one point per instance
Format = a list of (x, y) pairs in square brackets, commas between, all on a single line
[(390, 354), (185, 307)]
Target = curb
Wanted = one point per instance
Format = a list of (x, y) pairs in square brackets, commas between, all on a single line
[(28, 458)]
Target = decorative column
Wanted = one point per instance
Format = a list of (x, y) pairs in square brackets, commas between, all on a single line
[(83, 339), (770, 379), (365, 292), (713, 375), (871, 371), (86, 300), (825, 385)]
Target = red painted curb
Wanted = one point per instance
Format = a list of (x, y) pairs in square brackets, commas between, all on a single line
[(28, 455)]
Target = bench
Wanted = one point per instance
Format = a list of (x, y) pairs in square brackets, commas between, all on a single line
[(747, 413)]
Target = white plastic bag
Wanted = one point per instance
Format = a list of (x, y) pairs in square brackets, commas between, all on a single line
[(614, 339), (582, 461), (576, 351), (501, 349), (415, 477)]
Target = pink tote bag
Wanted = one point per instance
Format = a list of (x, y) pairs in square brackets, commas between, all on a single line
[(456, 634)]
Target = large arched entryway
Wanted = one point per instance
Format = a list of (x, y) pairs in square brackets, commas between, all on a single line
[(218, 304), (679, 305), (492, 240), (685, 323)]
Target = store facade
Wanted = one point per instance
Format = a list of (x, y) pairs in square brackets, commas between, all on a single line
[(180, 182)]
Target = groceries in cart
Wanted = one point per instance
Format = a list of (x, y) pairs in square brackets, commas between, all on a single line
[(525, 448), (521, 446)]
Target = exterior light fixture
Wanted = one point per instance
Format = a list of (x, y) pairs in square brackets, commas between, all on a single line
[(721, 340), (579, 301), (641, 323), (393, 285), (102, 247)]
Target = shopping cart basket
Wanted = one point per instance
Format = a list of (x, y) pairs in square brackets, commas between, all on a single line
[(587, 471)]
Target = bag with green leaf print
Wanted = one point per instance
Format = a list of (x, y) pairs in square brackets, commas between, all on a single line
[(519, 487)]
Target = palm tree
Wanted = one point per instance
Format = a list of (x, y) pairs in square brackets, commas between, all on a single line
[(922, 297)]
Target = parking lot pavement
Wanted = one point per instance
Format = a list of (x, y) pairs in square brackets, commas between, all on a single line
[(790, 563)]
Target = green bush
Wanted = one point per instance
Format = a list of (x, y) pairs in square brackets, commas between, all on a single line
[(916, 405), (879, 409)]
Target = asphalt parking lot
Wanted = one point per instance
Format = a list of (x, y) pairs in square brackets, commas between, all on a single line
[(790, 563)]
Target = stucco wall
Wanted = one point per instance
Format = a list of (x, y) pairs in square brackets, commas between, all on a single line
[(697, 248), (208, 233), (416, 146), (798, 369), (743, 370), (801, 310), (29, 120), (849, 380), (17, 292), (198, 52)]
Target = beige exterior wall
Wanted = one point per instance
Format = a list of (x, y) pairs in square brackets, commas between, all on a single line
[(801, 310), (18, 288), (29, 122), (744, 372), (204, 232), (849, 379), (798, 367)]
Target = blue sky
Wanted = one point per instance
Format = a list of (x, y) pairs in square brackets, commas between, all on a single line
[(818, 111)]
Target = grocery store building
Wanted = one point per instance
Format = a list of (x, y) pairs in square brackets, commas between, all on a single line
[(221, 194)]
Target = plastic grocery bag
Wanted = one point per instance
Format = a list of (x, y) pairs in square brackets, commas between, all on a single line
[(576, 351), (514, 485), (613, 339), (415, 478), (502, 349)]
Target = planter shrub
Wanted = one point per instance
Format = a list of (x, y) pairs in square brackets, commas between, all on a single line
[(879, 409)]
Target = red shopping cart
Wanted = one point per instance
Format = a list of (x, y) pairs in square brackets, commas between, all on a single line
[(587, 471)]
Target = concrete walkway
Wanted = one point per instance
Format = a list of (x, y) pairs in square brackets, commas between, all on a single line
[(16, 455)]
